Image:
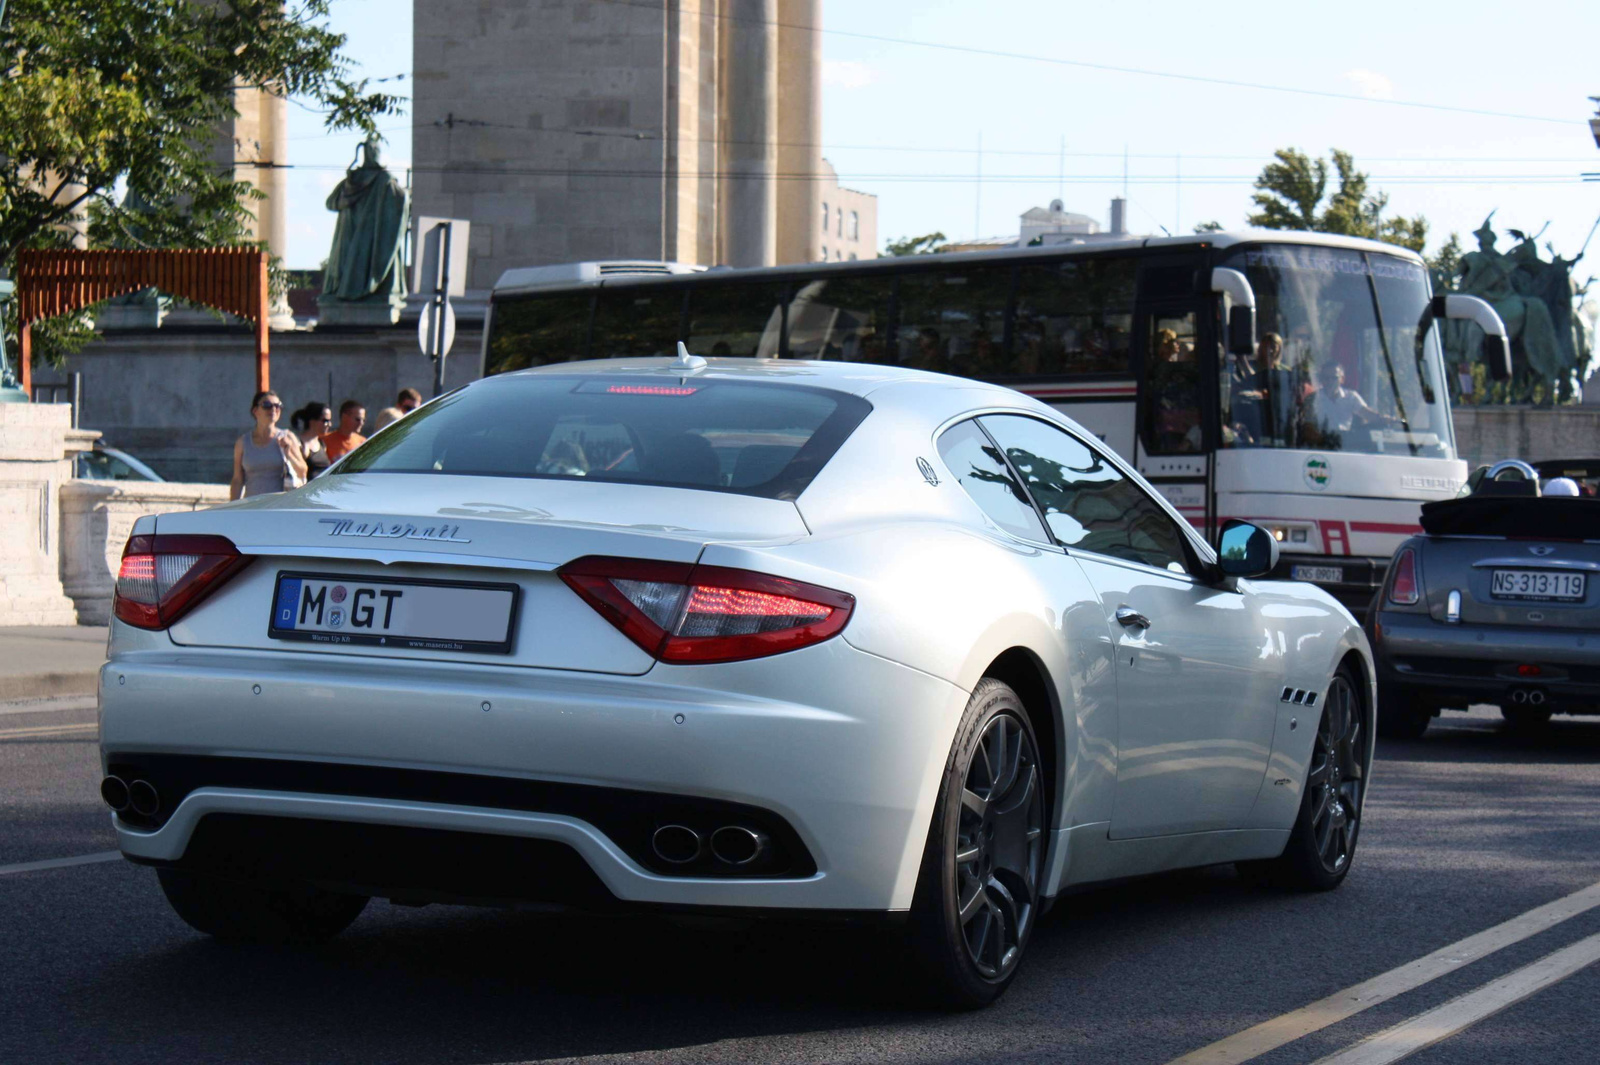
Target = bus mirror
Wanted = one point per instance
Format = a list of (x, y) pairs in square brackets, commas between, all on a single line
[(1241, 330), (1497, 357)]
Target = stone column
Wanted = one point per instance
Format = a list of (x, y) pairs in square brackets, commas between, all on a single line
[(749, 102), (37, 443), (799, 129)]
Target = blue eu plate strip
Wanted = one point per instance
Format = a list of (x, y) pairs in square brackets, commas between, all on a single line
[(288, 602)]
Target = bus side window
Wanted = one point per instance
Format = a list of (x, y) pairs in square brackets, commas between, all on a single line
[(536, 330), (1171, 391), (952, 319), (1074, 317), (733, 318), (637, 321), (844, 318)]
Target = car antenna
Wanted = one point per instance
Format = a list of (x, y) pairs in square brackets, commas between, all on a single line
[(686, 361)]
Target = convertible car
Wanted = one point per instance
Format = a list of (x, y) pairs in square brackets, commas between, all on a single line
[(1496, 602), (723, 637)]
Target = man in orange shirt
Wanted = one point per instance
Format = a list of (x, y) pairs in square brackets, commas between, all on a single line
[(352, 417)]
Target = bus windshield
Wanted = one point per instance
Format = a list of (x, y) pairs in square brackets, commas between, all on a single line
[(1336, 366)]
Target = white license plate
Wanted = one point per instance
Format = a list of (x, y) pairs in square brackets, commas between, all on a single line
[(1320, 574), (418, 615), (1536, 584)]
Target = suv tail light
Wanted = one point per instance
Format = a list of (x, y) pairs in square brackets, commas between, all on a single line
[(681, 612), (1405, 589), (164, 577)]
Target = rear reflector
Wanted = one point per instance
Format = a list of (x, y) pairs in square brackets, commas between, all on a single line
[(680, 612), (1405, 589), (164, 577)]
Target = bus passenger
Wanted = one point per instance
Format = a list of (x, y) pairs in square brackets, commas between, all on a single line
[(1175, 382)]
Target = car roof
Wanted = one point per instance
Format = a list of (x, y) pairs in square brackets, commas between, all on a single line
[(854, 378)]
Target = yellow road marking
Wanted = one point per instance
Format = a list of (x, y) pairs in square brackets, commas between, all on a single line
[(45, 730), (1269, 1035)]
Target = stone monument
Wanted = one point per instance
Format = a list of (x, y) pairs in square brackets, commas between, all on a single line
[(364, 283)]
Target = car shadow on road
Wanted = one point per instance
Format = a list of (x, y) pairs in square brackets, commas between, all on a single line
[(446, 984), (1481, 736)]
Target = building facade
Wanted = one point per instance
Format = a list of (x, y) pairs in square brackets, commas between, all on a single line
[(849, 220), (686, 130)]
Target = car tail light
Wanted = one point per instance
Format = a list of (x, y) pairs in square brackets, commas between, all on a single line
[(164, 577), (1405, 589), (680, 612)]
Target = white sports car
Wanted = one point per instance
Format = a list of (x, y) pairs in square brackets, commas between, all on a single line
[(738, 637)]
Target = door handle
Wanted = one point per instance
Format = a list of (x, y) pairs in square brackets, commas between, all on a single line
[(1130, 617)]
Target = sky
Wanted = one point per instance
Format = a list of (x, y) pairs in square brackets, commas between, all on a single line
[(913, 88)]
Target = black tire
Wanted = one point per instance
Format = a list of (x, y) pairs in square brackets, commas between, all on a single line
[(1322, 845), (234, 911), (1525, 718), (1400, 715), (977, 896)]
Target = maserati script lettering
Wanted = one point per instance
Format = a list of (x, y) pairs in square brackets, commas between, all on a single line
[(450, 534)]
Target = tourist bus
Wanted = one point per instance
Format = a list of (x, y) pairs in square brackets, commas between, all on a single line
[(1212, 362)]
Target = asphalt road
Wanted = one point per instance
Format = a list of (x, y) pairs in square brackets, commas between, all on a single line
[(1465, 829)]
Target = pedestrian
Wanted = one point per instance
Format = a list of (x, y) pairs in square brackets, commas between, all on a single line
[(309, 423), (266, 459), (352, 417), (409, 400)]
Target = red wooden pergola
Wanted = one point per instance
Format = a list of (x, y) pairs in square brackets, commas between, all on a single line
[(51, 283)]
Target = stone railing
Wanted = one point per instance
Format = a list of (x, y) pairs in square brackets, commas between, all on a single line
[(37, 444), (96, 519)]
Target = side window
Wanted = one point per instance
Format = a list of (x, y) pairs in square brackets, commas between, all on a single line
[(1171, 392), (535, 330), (1089, 504), (1074, 317), (740, 319), (952, 320), (844, 318), (637, 321), (973, 460)]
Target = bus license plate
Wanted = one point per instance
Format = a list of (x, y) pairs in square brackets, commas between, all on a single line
[(1318, 574), (1536, 584), (415, 615)]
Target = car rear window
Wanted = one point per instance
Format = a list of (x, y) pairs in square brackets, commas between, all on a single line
[(758, 439)]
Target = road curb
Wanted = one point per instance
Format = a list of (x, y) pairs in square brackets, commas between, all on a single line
[(48, 685)]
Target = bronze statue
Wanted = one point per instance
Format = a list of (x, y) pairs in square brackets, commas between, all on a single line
[(364, 265)]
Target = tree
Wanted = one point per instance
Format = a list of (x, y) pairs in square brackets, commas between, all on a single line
[(923, 245), (1290, 192), (1209, 227), (109, 109)]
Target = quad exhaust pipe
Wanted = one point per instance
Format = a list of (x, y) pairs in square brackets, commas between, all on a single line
[(730, 844), (1528, 697), (140, 796)]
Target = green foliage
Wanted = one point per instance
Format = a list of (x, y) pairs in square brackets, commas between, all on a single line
[(1445, 264), (923, 245), (102, 92), (1291, 189), (1209, 227)]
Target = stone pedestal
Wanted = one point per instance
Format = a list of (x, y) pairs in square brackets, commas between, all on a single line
[(377, 314), (96, 520), (37, 443)]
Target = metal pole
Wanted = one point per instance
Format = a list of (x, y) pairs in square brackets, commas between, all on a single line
[(441, 298), (75, 395)]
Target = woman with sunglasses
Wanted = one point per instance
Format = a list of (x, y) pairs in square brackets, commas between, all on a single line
[(309, 423), (266, 459)]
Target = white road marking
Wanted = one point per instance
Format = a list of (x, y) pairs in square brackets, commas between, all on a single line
[(45, 730), (47, 706), (59, 863), (1428, 1028), (1269, 1035)]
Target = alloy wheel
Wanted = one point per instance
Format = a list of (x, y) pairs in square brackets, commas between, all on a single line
[(999, 844), (1336, 777)]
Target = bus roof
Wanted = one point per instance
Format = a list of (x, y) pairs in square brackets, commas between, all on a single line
[(587, 274)]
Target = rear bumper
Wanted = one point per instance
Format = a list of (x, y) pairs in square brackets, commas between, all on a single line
[(841, 748), (1454, 665), (1358, 580)]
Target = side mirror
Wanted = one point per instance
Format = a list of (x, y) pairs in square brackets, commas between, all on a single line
[(1241, 330), (1245, 550)]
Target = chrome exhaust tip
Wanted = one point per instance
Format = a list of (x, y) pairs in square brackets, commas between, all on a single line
[(144, 799), (676, 844), (1519, 696), (1536, 698), (738, 845), (114, 790)]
